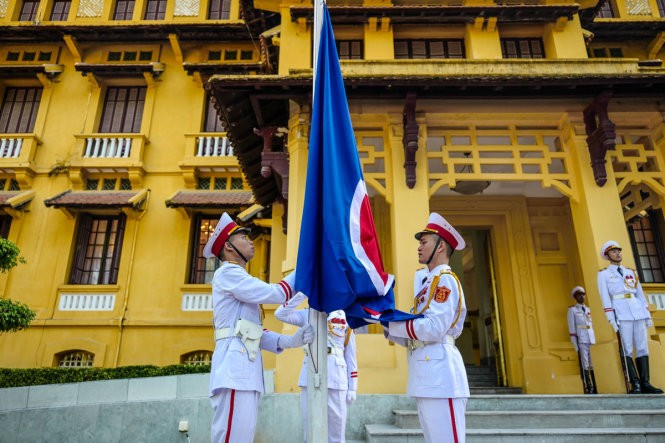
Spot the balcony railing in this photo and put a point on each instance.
(99, 150)
(107, 147)
(213, 146)
(209, 151)
(18, 149)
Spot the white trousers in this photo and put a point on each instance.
(442, 419)
(336, 414)
(234, 416)
(585, 356)
(634, 333)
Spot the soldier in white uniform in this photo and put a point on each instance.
(437, 377)
(342, 366)
(627, 311)
(582, 336)
(236, 376)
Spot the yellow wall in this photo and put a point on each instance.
(541, 246)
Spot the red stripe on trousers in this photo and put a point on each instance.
(228, 426)
(452, 419)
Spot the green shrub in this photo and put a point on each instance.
(9, 255)
(14, 315)
(10, 378)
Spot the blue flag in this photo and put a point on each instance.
(339, 263)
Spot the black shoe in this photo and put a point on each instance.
(643, 369)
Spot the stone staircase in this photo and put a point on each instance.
(497, 414)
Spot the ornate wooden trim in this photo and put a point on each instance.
(601, 134)
(274, 164)
(410, 138)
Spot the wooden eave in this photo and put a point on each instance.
(245, 103)
(438, 14)
(117, 69)
(204, 32)
(208, 69)
(29, 71)
(625, 30)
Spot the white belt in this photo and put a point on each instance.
(583, 327)
(332, 350)
(223, 333)
(622, 296)
(415, 344)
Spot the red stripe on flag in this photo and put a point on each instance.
(228, 426)
(452, 419)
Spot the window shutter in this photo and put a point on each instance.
(81, 246)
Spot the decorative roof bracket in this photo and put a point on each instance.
(410, 138)
(275, 164)
(601, 134)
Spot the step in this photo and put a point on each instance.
(381, 433)
(493, 390)
(408, 419)
(512, 402)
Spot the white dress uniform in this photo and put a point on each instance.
(236, 381)
(623, 300)
(342, 366)
(581, 332)
(437, 376)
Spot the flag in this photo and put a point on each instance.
(339, 263)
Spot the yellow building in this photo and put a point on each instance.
(536, 128)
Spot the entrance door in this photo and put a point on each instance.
(481, 341)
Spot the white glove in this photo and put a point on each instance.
(350, 397)
(614, 324)
(304, 335)
(577, 348)
(649, 322)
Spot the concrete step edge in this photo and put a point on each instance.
(552, 412)
(568, 431)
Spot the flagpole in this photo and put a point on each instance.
(317, 374)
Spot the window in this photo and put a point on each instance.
(108, 184)
(29, 11)
(220, 183)
(522, 48)
(423, 49)
(123, 110)
(607, 52)
(350, 49)
(124, 9)
(219, 9)
(98, 247)
(661, 7)
(197, 358)
(19, 110)
(60, 10)
(5, 224)
(155, 10)
(647, 247)
(9, 184)
(212, 121)
(606, 11)
(202, 269)
(75, 359)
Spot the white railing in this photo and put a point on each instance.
(107, 147)
(86, 302)
(197, 302)
(657, 299)
(10, 147)
(213, 146)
